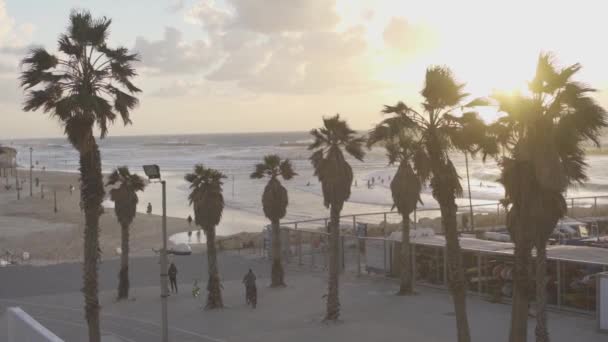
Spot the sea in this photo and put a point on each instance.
(236, 155)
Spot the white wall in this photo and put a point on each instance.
(21, 327)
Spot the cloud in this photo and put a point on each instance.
(270, 16)
(307, 62)
(14, 40)
(176, 5)
(172, 55)
(12, 35)
(282, 46)
(404, 37)
(176, 89)
(209, 16)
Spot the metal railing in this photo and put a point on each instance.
(589, 206)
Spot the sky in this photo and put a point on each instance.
(215, 66)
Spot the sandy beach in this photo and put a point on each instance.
(31, 225)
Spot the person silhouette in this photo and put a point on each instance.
(250, 289)
(173, 277)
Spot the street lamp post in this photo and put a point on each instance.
(466, 160)
(31, 170)
(153, 173)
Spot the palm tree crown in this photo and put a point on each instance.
(331, 168)
(438, 130)
(82, 85)
(407, 184)
(125, 195)
(206, 195)
(273, 167)
(548, 126)
(274, 199)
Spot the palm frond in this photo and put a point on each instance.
(287, 170)
(441, 89)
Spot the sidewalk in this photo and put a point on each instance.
(370, 312)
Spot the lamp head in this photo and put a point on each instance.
(152, 171)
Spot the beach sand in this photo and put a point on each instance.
(31, 225)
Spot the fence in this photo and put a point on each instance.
(489, 216)
(487, 264)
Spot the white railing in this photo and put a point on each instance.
(21, 327)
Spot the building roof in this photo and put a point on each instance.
(580, 254)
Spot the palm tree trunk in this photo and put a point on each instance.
(542, 335)
(214, 292)
(406, 287)
(333, 300)
(123, 276)
(521, 291)
(92, 193)
(277, 272)
(456, 273)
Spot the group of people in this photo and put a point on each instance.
(249, 280)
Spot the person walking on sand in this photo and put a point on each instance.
(189, 219)
(173, 277)
(251, 292)
(149, 209)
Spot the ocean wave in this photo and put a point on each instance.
(174, 143)
(297, 143)
(58, 146)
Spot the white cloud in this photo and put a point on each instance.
(210, 16)
(172, 54)
(408, 38)
(282, 46)
(12, 35)
(14, 40)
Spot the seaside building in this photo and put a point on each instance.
(8, 159)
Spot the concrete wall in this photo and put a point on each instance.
(21, 327)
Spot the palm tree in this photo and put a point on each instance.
(274, 203)
(125, 206)
(336, 177)
(405, 189)
(82, 87)
(439, 131)
(544, 132)
(208, 202)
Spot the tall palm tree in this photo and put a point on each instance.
(440, 130)
(274, 203)
(82, 86)
(336, 177)
(125, 206)
(544, 132)
(405, 190)
(208, 202)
